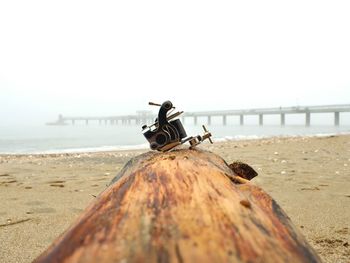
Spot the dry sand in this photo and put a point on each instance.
(41, 195)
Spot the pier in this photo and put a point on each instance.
(147, 117)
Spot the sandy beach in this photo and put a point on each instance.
(41, 195)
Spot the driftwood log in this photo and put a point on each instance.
(181, 206)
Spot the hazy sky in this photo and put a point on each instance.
(112, 57)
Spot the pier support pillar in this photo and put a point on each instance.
(73, 122)
(336, 118)
(307, 119)
(241, 119)
(87, 122)
(195, 120)
(261, 120)
(224, 120)
(283, 119)
(105, 122)
(100, 122)
(209, 120)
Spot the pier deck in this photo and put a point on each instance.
(143, 117)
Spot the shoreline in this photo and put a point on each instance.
(145, 146)
(43, 194)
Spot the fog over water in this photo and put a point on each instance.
(93, 58)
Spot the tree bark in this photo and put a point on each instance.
(181, 206)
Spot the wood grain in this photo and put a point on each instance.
(180, 206)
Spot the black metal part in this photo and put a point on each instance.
(167, 132)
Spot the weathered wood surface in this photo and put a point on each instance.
(180, 206)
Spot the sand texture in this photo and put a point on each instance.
(41, 195)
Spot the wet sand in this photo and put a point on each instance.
(41, 195)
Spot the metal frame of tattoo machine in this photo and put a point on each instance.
(167, 131)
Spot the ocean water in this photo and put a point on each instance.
(81, 138)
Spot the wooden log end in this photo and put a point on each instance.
(180, 206)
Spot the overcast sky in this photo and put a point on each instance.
(112, 57)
